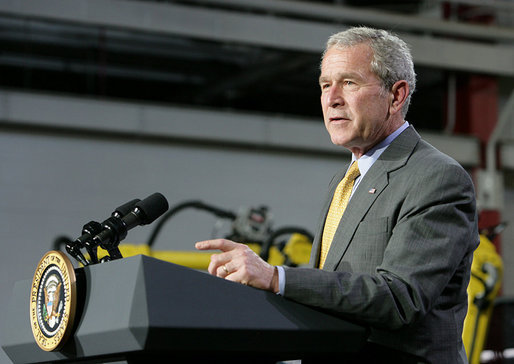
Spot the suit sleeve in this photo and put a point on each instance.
(425, 262)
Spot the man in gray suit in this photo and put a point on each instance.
(400, 257)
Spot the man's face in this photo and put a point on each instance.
(355, 105)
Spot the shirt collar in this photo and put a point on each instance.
(366, 161)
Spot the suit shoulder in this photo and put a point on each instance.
(428, 164)
(424, 152)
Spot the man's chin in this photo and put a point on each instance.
(339, 141)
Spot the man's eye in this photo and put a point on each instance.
(349, 83)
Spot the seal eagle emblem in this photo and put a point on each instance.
(53, 301)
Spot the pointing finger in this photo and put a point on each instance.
(220, 244)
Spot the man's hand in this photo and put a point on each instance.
(238, 263)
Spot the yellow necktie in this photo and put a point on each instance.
(339, 201)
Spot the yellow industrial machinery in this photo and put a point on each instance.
(484, 286)
(252, 226)
(295, 252)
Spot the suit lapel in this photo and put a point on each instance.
(377, 179)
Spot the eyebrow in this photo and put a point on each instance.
(322, 79)
(339, 76)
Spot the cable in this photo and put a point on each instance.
(282, 231)
(195, 204)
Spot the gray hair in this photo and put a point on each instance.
(392, 60)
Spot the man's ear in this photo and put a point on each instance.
(399, 94)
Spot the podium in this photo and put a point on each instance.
(141, 309)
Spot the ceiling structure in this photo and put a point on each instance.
(256, 56)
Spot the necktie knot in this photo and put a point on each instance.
(353, 172)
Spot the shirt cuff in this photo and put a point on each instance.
(281, 280)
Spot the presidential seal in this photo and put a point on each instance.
(53, 299)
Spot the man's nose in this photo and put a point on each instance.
(335, 96)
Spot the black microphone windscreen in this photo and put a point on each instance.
(152, 207)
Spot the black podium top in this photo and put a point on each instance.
(142, 309)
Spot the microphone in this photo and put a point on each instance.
(115, 228)
(91, 229)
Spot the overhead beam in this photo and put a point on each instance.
(376, 17)
(25, 110)
(262, 30)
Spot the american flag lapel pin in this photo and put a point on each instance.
(373, 190)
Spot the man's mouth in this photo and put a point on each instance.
(337, 118)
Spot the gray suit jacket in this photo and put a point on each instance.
(400, 259)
